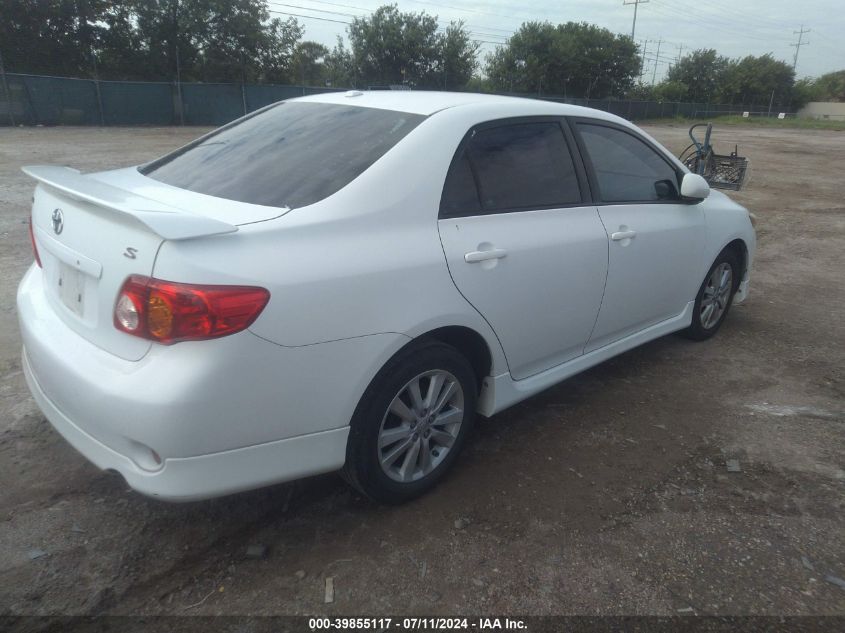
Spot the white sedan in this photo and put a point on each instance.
(344, 281)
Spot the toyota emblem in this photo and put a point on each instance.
(58, 221)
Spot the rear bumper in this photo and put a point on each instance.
(204, 476)
(198, 419)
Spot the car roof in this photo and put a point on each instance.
(427, 102)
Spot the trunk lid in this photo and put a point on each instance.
(91, 234)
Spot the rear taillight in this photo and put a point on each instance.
(170, 312)
(34, 245)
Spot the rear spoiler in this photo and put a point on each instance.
(167, 221)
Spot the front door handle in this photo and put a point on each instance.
(623, 235)
(483, 256)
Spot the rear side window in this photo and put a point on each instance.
(510, 168)
(290, 155)
(523, 166)
(460, 195)
(627, 169)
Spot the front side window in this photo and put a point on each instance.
(290, 155)
(627, 169)
(511, 167)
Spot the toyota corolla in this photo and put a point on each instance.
(345, 281)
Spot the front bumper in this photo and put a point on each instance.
(197, 419)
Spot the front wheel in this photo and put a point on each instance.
(411, 423)
(714, 297)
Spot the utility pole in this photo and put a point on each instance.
(656, 59)
(6, 92)
(680, 48)
(642, 60)
(798, 46)
(636, 4)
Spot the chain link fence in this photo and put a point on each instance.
(41, 100)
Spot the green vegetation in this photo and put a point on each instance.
(771, 122)
(243, 41)
(391, 47)
(227, 41)
(829, 87)
(572, 59)
(774, 122)
(704, 76)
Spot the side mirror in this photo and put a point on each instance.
(694, 188)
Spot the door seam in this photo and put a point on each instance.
(606, 277)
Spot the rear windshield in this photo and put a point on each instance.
(289, 155)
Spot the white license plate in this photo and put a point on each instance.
(72, 288)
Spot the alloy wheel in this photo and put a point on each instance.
(717, 294)
(420, 426)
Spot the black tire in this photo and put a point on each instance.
(363, 468)
(699, 330)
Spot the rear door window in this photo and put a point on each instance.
(290, 155)
(524, 166)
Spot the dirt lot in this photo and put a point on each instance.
(608, 494)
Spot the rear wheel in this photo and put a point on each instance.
(714, 297)
(411, 423)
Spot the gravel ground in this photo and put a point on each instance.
(608, 494)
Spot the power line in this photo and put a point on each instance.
(297, 6)
(709, 20)
(310, 17)
(476, 29)
(755, 17)
(798, 45)
(321, 19)
(718, 19)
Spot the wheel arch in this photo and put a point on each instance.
(469, 343)
(740, 249)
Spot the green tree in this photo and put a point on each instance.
(458, 56)
(670, 91)
(804, 91)
(163, 32)
(212, 40)
(339, 67)
(241, 42)
(756, 80)
(55, 37)
(642, 92)
(392, 47)
(829, 87)
(701, 74)
(573, 59)
(308, 63)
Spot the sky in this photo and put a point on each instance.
(735, 28)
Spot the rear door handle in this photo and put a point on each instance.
(623, 235)
(483, 256)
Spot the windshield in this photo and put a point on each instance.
(291, 154)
